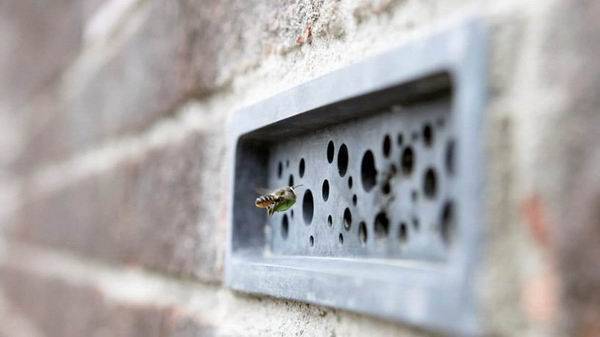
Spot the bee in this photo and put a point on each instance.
(279, 200)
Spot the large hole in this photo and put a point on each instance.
(279, 170)
(347, 219)
(291, 180)
(386, 188)
(342, 160)
(301, 168)
(403, 232)
(427, 134)
(368, 172)
(430, 183)
(285, 224)
(362, 232)
(407, 161)
(450, 149)
(330, 151)
(381, 225)
(447, 222)
(325, 190)
(387, 145)
(308, 207)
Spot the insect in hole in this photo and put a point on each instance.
(279, 200)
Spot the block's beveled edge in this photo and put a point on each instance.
(443, 301)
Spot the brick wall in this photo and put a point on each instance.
(112, 153)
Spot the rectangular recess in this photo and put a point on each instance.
(407, 248)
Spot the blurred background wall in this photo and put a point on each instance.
(113, 175)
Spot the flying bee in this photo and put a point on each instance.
(279, 200)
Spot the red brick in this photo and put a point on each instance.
(58, 308)
(161, 209)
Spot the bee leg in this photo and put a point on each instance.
(270, 210)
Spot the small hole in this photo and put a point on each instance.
(400, 139)
(387, 145)
(414, 195)
(301, 168)
(362, 232)
(415, 136)
(285, 224)
(350, 182)
(291, 180)
(368, 172)
(386, 188)
(292, 213)
(342, 160)
(407, 160)
(415, 223)
(430, 183)
(447, 222)
(308, 207)
(287, 163)
(428, 134)
(311, 240)
(354, 200)
(341, 239)
(329, 220)
(330, 151)
(279, 170)
(382, 225)
(347, 219)
(450, 148)
(325, 190)
(403, 232)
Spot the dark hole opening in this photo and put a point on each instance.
(341, 239)
(368, 172)
(311, 240)
(407, 161)
(330, 151)
(381, 226)
(450, 148)
(447, 222)
(350, 182)
(403, 232)
(279, 170)
(347, 219)
(301, 168)
(329, 220)
(284, 226)
(362, 232)
(400, 139)
(325, 190)
(291, 180)
(387, 145)
(308, 207)
(354, 200)
(427, 134)
(342, 160)
(430, 183)
(386, 188)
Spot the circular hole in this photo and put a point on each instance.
(350, 182)
(330, 151)
(354, 200)
(415, 223)
(403, 232)
(428, 134)
(347, 219)
(311, 240)
(447, 222)
(381, 226)
(329, 220)
(279, 170)
(368, 172)
(386, 188)
(341, 239)
(400, 139)
(301, 168)
(291, 180)
(285, 224)
(362, 232)
(450, 148)
(407, 161)
(430, 183)
(308, 207)
(387, 145)
(342, 160)
(325, 190)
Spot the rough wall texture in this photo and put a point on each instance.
(112, 147)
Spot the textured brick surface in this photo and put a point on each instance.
(57, 308)
(159, 208)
